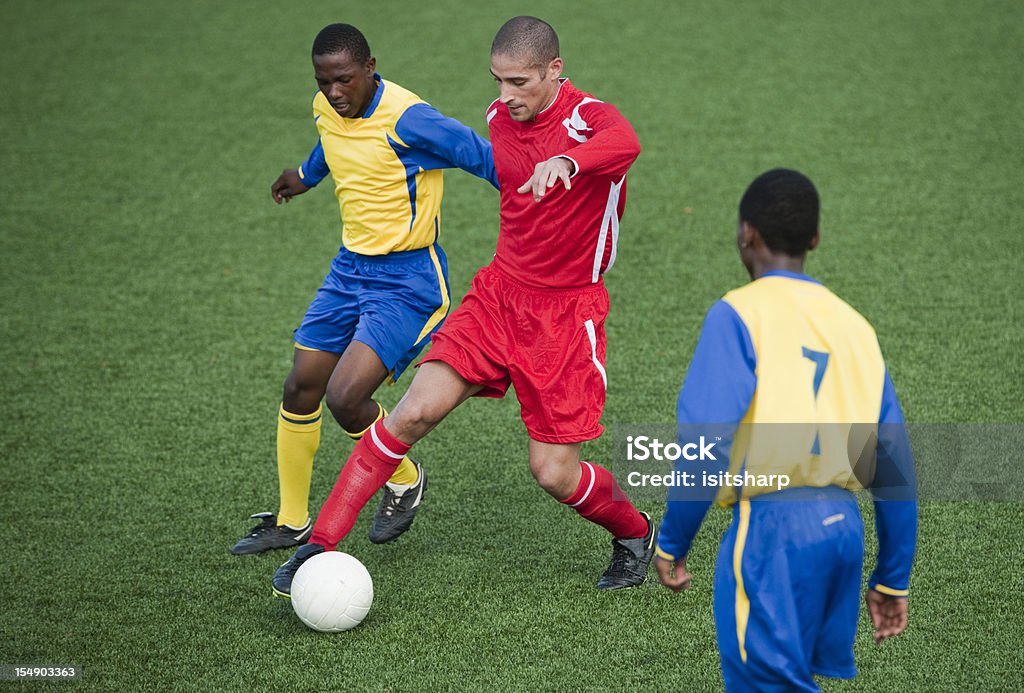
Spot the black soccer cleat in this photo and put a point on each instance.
(268, 535)
(395, 513)
(282, 580)
(630, 559)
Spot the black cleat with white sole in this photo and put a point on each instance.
(396, 512)
(630, 559)
(268, 535)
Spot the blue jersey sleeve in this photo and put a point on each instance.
(894, 491)
(437, 141)
(314, 169)
(716, 394)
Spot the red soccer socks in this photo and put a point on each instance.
(371, 464)
(599, 499)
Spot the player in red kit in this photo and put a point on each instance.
(533, 318)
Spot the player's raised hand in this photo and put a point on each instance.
(288, 185)
(546, 174)
(888, 614)
(673, 574)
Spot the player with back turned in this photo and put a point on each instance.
(533, 318)
(791, 379)
(387, 289)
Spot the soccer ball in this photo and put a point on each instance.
(332, 592)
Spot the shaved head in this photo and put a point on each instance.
(527, 38)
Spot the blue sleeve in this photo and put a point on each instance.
(440, 142)
(716, 394)
(314, 169)
(894, 491)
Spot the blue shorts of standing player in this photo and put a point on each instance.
(392, 303)
(787, 589)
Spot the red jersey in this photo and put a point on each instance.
(567, 239)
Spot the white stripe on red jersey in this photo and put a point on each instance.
(609, 222)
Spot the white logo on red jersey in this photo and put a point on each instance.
(575, 124)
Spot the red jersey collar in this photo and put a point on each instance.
(562, 82)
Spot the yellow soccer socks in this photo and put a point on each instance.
(298, 437)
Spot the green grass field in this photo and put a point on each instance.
(149, 288)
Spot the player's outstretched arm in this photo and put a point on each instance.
(888, 614)
(437, 141)
(288, 185)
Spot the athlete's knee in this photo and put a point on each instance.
(412, 420)
(351, 412)
(558, 479)
(301, 395)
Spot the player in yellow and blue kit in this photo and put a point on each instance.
(387, 289)
(789, 381)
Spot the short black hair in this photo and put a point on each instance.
(783, 206)
(342, 38)
(527, 37)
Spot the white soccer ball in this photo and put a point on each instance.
(332, 592)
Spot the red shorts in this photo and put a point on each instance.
(547, 343)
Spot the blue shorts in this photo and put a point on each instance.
(392, 303)
(800, 553)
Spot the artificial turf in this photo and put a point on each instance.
(149, 287)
